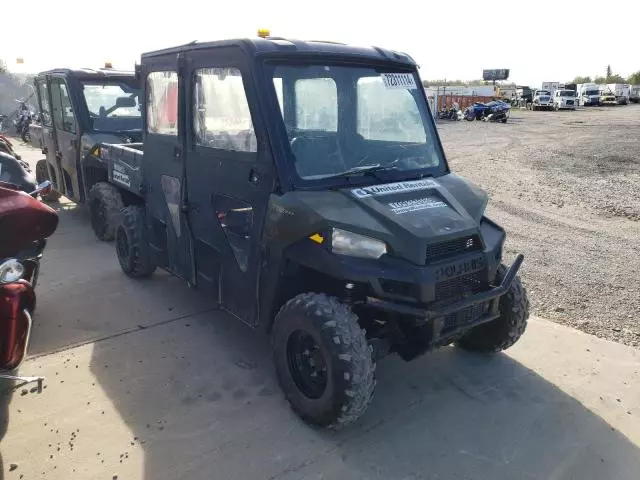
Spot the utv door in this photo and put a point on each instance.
(50, 145)
(66, 132)
(163, 169)
(229, 177)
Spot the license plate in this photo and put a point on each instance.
(460, 268)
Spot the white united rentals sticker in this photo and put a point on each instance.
(415, 205)
(399, 80)
(389, 188)
(119, 176)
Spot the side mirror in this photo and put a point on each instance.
(42, 189)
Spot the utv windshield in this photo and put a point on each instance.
(592, 92)
(343, 121)
(113, 106)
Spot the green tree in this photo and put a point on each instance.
(600, 80)
(615, 78)
(582, 80)
(3, 67)
(609, 72)
(634, 78)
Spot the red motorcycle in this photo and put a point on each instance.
(25, 224)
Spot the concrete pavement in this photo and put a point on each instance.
(145, 380)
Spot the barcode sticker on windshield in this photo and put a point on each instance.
(399, 80)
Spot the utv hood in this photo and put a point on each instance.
(407, 215)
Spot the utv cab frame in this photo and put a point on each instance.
(79, 109)
(303, 187)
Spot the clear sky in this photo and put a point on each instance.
(543, 41)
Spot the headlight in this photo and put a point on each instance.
(10, 271)
(354, 245)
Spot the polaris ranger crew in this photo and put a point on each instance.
(79, 109)
(303, 186)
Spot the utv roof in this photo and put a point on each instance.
(278, 46)
(89, 73)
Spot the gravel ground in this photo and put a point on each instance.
(566, 187)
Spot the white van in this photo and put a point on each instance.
(564, 100)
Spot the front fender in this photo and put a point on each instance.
(17, 303)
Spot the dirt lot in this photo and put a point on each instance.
(566, 187)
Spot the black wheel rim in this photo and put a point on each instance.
(307, 364)
(122, 245)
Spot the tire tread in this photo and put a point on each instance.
(348, 345)
(111, 201)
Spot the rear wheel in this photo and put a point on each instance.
(105, 204)
(42, 174)
(132, 246)
(507, 329)
(323, 360)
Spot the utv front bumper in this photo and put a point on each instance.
(444, 308)
(443, 297)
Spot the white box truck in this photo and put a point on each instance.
(551, 87)
(622, 91)
(588, 94)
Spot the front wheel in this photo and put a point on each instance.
(132, 246)
(105, 204)
(507, 329)
(323, 360)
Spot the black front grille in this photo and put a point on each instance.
(569, 102)
(460, 286)
(465, 316)
(469, 243)
(402, 289)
